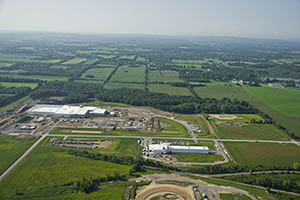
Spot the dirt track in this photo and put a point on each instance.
(157, 189)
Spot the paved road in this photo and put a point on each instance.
(179, 138)
(22, 157)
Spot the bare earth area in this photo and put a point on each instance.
(224, 117)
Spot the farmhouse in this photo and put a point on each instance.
(66, 111)
(165, 148)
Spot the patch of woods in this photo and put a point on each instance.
(80, 92)
(285, 181)
(11, 94)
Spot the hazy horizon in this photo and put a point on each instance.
(258, 19)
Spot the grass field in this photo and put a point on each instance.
(111, 85)
(141, 59)
(198, 158)
(164, 76)
(107, 56)
(11, 148)
(53, 61)
(220, 90)
(43, 78)
(196, 120)
(15, 84)
(169, 89)
(170, 126)
(98, 73)
(234, 196)
(126, 58)
(266, 154)
(59, 67)
(284, 101)
(251, 131)
(48, 169)
(5, 64)
(91, 61)
(74, 61)
(17, 58)
(130, 74)
(189, 61)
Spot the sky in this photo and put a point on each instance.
(246, 18)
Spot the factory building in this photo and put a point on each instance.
(165, 148)
(67, 111)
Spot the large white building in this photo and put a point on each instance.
(66, 111)
(165, 148)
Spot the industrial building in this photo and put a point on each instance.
(67, 111)
(165, 148)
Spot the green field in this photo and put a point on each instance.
(59, 67)
(141, 59)
(251, 132)
(11, 148)
(91, 61)
(169, 89)
(266, 154)
(15, 84)
(220, 90)
(17, 58)
(47, 172)
(189, 61)
(285, 101)
(163, 76)
(111, 85)
(198, 158)
(43, 78)
(126, 58)
(172, 127)
(196, 120)
(74, 61)
(107, 56)
(5, 64)
(100, 74)
(234, 196)
(53, 61)
(129, 74)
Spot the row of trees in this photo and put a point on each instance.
(11, 94)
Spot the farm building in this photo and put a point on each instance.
(66, 111)
(165, 148)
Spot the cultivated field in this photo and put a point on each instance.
(163, 76)
(198, 158)
(285, 101)
(75, 61)
(99, 74)
(129, 74)
(252, 154)
(169, 89)
(251, 132)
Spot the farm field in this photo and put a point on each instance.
(111, 85)
(53, 61)
(219, 90)
(15, 84)
(107, 56)
(285, 101)
(48, 170)
(163, 76)
(59, 67)
(11, 148)
(97, 73)
(251, 132)
(266, 154)
(181, 61)
(129, 74)
(234, 196)
(126, 58)
(169, 89)
(43, 78)
(198, 158)
(17, 58)
(74, 61)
